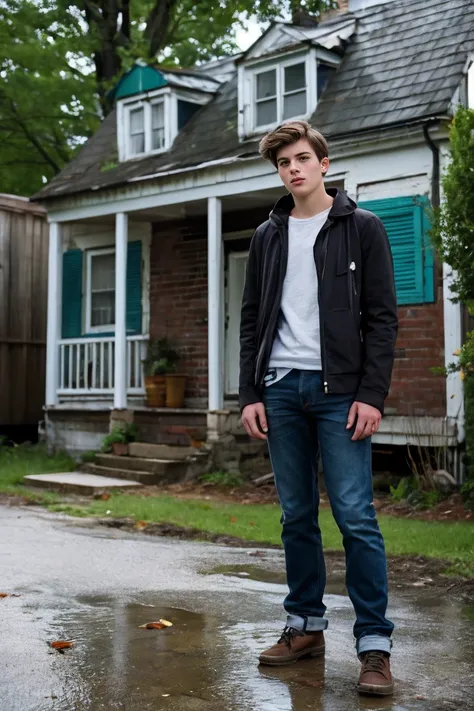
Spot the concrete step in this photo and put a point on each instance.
(170, 472)
(154, 466)
(79, 482)
(144, 450)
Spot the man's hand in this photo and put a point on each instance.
(252, 416)
(368, 420)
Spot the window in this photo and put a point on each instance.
(146, 127)
(280, 94)
(100, 294)
(157, 126)
(137, 131)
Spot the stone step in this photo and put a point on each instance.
(154, 466)
(144, 450)
(79, 482)
(170, 472)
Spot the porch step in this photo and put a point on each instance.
(160, 451)
(162, 472)
(79, 482)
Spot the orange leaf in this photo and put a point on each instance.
(105, 497)
(233, 519)
(160, 625)
(251, 523)
(61, 645)
(141, 525)
(2, 595)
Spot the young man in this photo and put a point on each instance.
(318, 330)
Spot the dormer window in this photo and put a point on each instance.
(278, 89)
(154, 105)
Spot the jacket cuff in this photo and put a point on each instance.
(248, 395)
(371, 397)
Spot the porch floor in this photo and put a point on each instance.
(78, 482)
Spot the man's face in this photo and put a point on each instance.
(300, 169)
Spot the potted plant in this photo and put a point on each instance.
(175, 382)
(117, 441)
(155, 365)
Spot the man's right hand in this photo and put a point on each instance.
(253, 416)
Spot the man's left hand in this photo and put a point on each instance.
(368, 420)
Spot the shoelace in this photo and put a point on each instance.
(288, 634)
(374, 661)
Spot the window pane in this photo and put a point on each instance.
(266, 84)
(136, 121)
(295, 77)
(157, 115)
(138, 143)
(266, 112)
(157, 138)
(103, 309)
(103, 272)
(294, 105)
(324, 76)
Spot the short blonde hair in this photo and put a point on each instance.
(290, 132)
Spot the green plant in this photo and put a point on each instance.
(88, 456)
(228, 479)
(161, 357)
(121, 434)
(403, 489)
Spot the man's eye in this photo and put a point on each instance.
(304, 158)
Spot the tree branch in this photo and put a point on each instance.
(34, 141)
(157, 25)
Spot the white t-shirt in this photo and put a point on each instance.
(297, 342)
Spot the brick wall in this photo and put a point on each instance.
(178, 302)
(420, 346)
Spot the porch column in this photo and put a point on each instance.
(215, 296)
(452, 343)
(53, 331)
(120, 372)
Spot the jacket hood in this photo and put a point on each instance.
(342, 206)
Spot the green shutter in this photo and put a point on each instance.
(134, 288)
(72, 294)
(406, 222)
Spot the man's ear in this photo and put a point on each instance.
(324, 165)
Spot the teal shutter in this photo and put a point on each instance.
(134, 288)
(406, 222)
(72, 294)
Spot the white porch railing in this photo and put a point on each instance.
(86, 365)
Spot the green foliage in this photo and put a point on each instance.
(88, 457)
(58, 59)
(161, 357)
(121, 434)
(453, 228)
(404, 487)
(226, 479)
(467, 493)
(16, 462)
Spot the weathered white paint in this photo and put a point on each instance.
(423, 431)
(215, 302)
(54, 312)
(120, 370)
(399, 187)
(235, 281)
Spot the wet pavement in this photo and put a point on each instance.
(96, 586)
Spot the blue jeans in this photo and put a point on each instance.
(303, 422)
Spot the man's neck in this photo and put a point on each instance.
(311, 204)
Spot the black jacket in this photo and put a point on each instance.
(357, 303)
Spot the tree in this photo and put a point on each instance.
(58, 59)
(453, 234)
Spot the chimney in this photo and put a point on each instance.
(300, 17)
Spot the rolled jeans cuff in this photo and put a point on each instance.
(372, 642)
(306, 623)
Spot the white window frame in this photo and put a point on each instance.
(169, 97)
(105, 328)
(247, 86)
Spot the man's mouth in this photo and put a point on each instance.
(297, 180)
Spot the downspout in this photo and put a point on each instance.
(435, 174)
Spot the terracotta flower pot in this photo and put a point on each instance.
(175, 385)
(120, 449)
(155, 386)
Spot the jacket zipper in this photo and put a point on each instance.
(321, 320)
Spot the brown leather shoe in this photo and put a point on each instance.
(375, 677)
(293, 645)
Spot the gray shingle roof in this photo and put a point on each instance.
(403, 64)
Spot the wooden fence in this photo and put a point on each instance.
(23, 300)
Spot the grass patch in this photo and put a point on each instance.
(450, 541)
(17, 462)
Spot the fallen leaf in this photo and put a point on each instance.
(160, 625)
(233, 519)
(2, 595)
(251, 523)
(105, 497)
(59, 645)
(141, 525)
(257, 554)
(420, 697)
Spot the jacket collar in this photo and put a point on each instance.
(342, 206)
